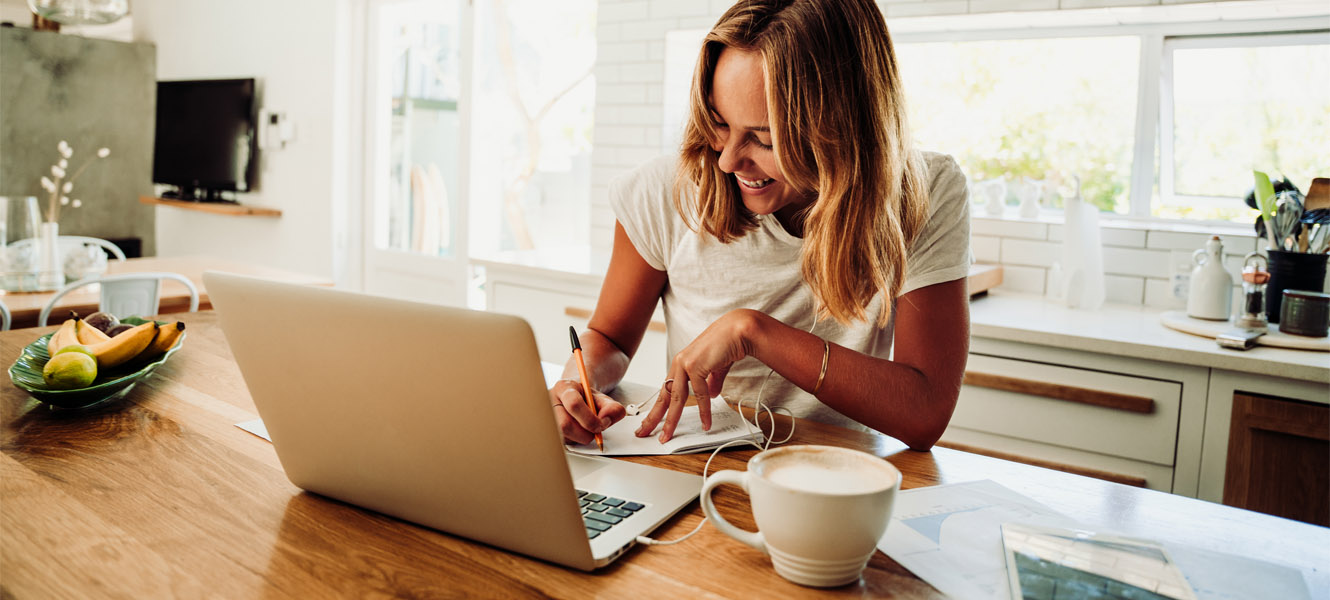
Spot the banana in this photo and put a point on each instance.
(121, 348)
(62, 337)
(89, 335)
(167, 336)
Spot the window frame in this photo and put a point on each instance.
(1154, 89)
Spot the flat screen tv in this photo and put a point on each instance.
(205, 140)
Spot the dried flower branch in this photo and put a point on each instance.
(60, 187)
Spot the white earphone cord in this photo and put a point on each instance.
(756, 422)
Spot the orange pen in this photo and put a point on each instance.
(586, 383)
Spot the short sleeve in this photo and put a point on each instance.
(941, 252)
(642, 204)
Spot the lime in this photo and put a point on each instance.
(70, 370)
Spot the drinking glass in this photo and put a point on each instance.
(20, 219)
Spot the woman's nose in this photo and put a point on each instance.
(731, 157)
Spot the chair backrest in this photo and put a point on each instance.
(126, 294)
(68, 241)
(4, 317)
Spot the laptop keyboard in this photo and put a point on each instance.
(601, 512)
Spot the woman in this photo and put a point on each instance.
(798, 233)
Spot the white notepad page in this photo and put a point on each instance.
(726, 425)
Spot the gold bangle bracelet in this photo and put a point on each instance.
(826, 353)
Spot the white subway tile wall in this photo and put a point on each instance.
(630, 77)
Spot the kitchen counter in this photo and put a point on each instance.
(1130, 331)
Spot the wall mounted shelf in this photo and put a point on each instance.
(217, 208)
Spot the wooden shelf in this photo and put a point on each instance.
(217, 208)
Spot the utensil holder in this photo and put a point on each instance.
(1292, 271)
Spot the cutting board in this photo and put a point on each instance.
(983, 278)
(1176, 319)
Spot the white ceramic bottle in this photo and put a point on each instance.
(1210, 295)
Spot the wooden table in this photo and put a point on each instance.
(160, 495)
(27, 306)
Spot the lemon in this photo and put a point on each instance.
(69, 371)
(77, 348)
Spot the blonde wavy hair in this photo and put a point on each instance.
(839, 129)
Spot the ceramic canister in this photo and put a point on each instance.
(1305, 313)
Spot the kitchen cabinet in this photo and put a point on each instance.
(1130, 421)
(1267, 445)
(1279, 458)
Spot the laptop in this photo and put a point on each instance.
(434, 415)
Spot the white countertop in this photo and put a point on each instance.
(1131, 331)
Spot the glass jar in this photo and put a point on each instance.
(80, 12)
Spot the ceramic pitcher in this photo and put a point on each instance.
(1211, 293)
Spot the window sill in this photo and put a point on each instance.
(1054, 217)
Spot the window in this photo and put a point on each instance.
(481, 113)
(1238, 104)
(1046, 109)
(534, 97)
(1160, 121)
(418, 89)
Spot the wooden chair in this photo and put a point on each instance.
(126, 294)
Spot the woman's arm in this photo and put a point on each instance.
(628, 297)
(910, 398)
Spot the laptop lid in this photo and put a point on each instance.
(432, 414)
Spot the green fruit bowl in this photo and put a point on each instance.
(26, 373)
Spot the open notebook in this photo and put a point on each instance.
(727, 425)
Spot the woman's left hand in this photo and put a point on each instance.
(700, 369)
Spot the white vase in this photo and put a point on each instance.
(1028, 192)
(50, 269)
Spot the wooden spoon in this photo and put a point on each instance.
(1319, 194)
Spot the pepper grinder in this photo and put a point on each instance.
(1254, 278)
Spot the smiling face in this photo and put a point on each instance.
(739, 102)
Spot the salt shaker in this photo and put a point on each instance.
(1254, 278)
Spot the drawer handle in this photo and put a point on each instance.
(582, 313)
(1131, 480)
(1137, 404)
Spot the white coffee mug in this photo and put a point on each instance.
(820, 510)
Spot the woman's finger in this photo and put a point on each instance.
(609, 410)
(715, 382)
(575, 404)
(657, 411)
(678, 398)
(571, 431)
(695, 383)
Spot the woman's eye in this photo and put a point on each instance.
(760, 144)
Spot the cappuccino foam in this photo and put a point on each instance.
(827, 474)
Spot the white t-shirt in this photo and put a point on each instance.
(760, 271)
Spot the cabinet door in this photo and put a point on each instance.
(1279, 458)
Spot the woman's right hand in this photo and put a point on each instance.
(576, 420)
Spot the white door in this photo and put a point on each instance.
(416, 184)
